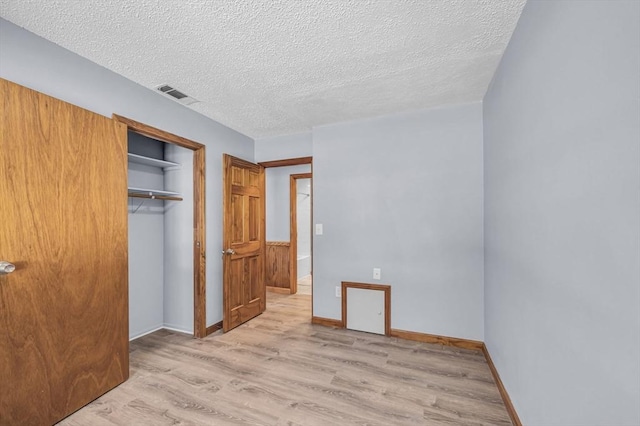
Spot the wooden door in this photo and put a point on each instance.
(63, 209)
(243, 241)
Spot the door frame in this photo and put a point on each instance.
(296, 162)
(293, 229)
(199, 235)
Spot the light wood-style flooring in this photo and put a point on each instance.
(279, 369)
(304, 285)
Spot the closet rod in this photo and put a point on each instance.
(154, 197)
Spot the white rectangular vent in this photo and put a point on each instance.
(176, 94)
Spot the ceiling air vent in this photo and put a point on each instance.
(176, 94)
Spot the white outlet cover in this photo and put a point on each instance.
(376, 273)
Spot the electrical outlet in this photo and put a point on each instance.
(376, 273)
(338, 291)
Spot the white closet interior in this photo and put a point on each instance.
(160, 180)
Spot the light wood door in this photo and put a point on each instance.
(243, 242)
(63, 209)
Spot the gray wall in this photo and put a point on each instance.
(36, 63)
(278, 202)
(286, 146)
(146, 241)
(145, 146)
(146, 250)
(178, 249)
(562, 212)
(403, 193)
(160, 251)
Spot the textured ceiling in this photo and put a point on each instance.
(271, 67)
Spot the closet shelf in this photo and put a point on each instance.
(154, 194)
(154, 162)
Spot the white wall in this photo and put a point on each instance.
(303, 213)
(303, 218)
(403, 193)
(36, 63)
(562, 209)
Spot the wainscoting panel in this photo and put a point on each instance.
(277, 274)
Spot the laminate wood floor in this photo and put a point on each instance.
(279, 369)
(304, 285)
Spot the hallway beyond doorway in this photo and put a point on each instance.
(304, 285)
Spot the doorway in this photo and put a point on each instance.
(282, 213)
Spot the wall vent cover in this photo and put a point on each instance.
(176, 94)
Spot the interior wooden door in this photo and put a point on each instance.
(244, 242)
(63, 209)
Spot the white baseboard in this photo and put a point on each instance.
(178, 330)
(161, 327)
(144, 333)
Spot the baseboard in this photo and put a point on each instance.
(281, 290)
(163, 327)
(327, 322)
(434, 338)
(177, 330)
(503, 392)
(144, 333)
(213, 328)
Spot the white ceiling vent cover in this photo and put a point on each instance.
(176, 94)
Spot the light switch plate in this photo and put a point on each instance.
(318, 229)
(338, 291)
(376, 273)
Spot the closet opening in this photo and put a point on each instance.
(167, 282)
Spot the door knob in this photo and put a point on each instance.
(6, 267)
(229, 251)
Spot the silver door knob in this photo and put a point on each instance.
(6, 267)
(229, 251)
